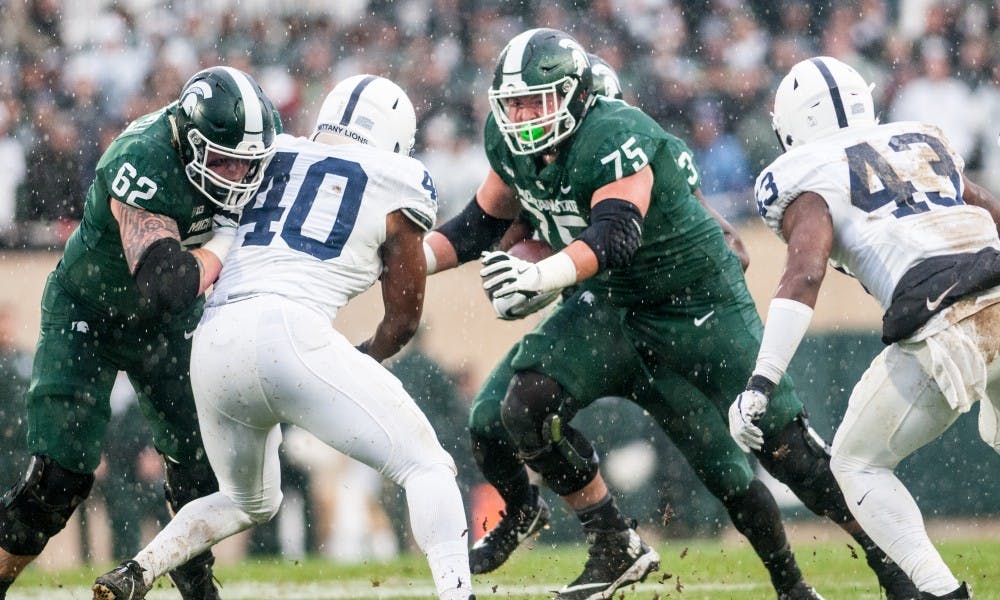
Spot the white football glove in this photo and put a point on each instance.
(519, 305)
(504, 275)
(743, 412)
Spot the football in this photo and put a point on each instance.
(531, 250)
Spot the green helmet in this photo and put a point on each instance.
(223, 112)
(606, 82)
(546, 63)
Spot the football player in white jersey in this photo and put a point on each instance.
(334, 213)
(889, 205)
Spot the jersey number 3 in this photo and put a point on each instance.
(275, 180)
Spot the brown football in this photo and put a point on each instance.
(531, 250)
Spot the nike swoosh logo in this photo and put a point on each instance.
(862, 499)
(188, 335)
(699, 320)
(932, 306)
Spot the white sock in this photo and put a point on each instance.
(196, 527)
(888, 513)
(437, 518)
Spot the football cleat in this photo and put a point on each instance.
(963, 591)
(616, 559)
(800, 591)
(893, 580)
(194, 578)
(493, 549)
(124, 582)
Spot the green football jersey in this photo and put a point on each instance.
(681, 242)
(142, 168)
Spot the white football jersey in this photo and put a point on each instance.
(313, 232)
(894, 192)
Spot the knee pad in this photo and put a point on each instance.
(39, 506)
(497, 459)
(536, 413)
(184, 482)
(798, 457)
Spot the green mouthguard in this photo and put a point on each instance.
(530, 134)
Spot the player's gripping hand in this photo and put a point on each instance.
(504, 275)
(746, 410)
(519, 304)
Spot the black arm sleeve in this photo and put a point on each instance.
(167, 276)
(472, 231)
(615, 232)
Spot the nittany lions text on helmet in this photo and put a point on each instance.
(606, 82)
(371, 110)
(818, 97)
(551, 64)
(223, 112)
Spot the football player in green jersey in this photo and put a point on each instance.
(127, 295)
(660, 314)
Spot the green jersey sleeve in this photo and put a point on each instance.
(142, 173)
(684, 159)
(615, 141)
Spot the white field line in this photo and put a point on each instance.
(364, 590)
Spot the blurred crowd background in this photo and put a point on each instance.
(73, 73)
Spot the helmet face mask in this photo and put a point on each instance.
(546, 69)
(819, 97)
(370, 110)
(223, 113)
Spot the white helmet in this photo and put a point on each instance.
(818, 97)
(370, 110)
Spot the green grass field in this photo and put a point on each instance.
(692, 570)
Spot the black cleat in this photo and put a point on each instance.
(800, 591)
(617, 559)
(963, 591)
(493, 549)
(893, 580)
(124, 582)
(194, 578)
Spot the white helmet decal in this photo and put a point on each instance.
(198, 89)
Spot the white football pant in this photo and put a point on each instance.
(897, 408)
(267, 360)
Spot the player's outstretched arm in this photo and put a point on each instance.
(477, 228)
(169, 278)
(403, 278)
(977, 195)
(809, 232)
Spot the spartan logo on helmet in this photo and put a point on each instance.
(546, 65)
(224, 114)
(606, 82)
(193, 93)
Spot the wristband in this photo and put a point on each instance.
(430, 258)
(787, 322)
(556, 272)
(222, 240)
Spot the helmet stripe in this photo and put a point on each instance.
(838, 102)
(513, 61)
(352, 102)
(253, 126)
